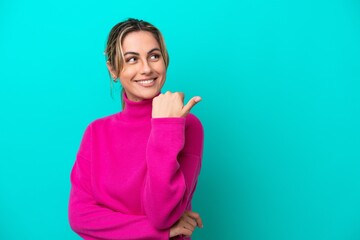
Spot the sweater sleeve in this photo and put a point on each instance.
(90, 219)
(173, 154)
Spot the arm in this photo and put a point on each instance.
(174, 154)
(93, 221)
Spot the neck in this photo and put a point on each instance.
(136, 111)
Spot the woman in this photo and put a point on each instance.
(136, 171)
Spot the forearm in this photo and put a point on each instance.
(172, 173)
(96, 222)
(92, 220)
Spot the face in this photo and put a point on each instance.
(144, 71)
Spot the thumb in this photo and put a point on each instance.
(186, 109)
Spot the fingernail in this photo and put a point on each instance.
(197, 99)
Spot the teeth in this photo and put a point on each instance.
(146, 81)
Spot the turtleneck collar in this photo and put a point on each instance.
(136, 111)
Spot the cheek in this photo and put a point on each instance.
(126, 73)
(161, 69)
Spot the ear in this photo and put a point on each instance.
(111, 70)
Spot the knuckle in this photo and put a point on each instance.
(196, 215)
(177, 94)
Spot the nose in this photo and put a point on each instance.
(145, 68)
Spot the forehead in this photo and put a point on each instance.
(139, 41)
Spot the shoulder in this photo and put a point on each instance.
(193, 123)
(100, 124)
(99, 127)
(192, 120)
(104, 121)
(194, 135)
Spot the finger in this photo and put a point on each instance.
(186, 109)
(199, 222)
(185, 232)
(181, 95)
(196, 217)
(188, 226)
(192, 214)
(191, 221)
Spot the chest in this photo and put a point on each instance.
(119, 167)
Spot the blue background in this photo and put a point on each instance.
(280, 82)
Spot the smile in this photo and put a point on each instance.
(146, 82)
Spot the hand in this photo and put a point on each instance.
(186, 224)
(172, 105)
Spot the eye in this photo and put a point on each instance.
(155, 57)
(131, 60)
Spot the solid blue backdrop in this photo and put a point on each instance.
(280, 82)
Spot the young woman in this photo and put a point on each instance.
(136, 171)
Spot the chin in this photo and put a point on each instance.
(149, 95)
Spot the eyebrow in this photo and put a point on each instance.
(135, 53)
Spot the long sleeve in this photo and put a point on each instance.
(92, 220)
(174, 153)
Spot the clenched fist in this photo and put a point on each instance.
(172, 105)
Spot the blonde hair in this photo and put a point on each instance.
(113, 52)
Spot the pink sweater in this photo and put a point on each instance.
(134, 175)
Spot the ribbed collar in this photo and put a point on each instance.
(136, 111)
